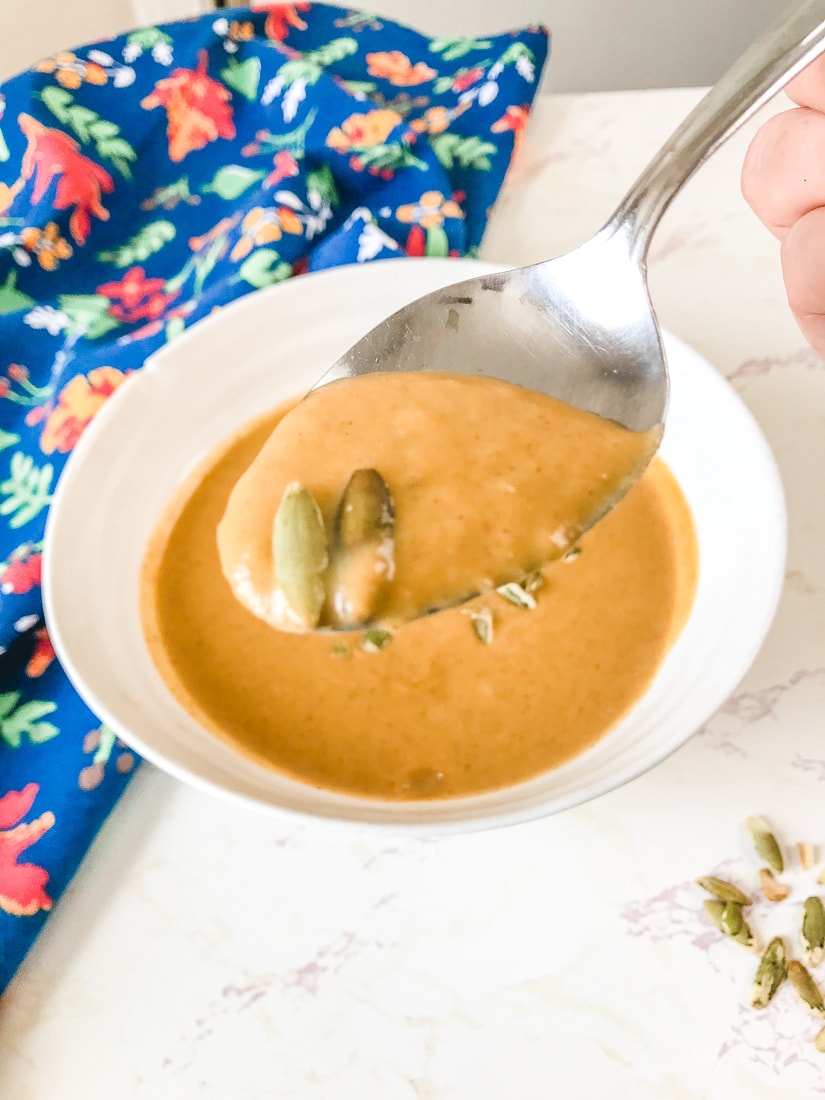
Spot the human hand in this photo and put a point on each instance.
(783, 180)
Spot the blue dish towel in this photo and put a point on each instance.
(144, 182)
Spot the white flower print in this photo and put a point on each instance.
(293, 97)
(48, 318)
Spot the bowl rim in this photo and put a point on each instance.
(551, 804)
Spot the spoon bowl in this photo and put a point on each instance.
(581, 327)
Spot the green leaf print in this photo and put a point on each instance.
(8, 439)
(4, 149)
(311, 66)
(89, 128)
(437, 242)
(453, 48)
(57, 100)
(362, 87)
(394, 155)
(514, 52)
(12, 299)
(18, 720)
(469, 152)
(263, 268)
(294, 141)
(8, 701)
(333, 51)
(88, 315)
(27, 489)
(148, 37)
(174, 328)
(243, 76)
(322, 181)
(144, 244)
(232, 180)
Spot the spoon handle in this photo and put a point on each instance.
(780, 52)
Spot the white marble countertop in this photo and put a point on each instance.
(205, 951)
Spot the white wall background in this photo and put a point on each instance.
(598, 44)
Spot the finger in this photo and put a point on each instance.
(783, 175)
(808, 89)
(803, 266)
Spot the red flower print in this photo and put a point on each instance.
(416, 242)
(21, 574)
(22, 885)
(136, 298)
(196, 106)
(464, 80)
(285, 165)
(42, 656)
(515, 119)
(281, 17)
(50, 154)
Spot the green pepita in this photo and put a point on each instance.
(812, 933)
(807, 989)
(766, 843)
(363, 564)
(299, 544)
(727, 916)
(770, 974)
(723, 890)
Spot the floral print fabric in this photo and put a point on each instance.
(144, 182)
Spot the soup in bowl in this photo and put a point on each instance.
(498, 711)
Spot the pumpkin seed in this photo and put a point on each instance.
(807, 989)
(366, 512)
(727, 916)
(723, 890)
(518, 596)
(770, 974)
(482, 623)
(812, 933)
(299, 544)
(364, 549)
(766, 843)
(375, 640)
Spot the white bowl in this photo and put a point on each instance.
(274, 344)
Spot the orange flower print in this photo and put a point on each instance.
(46, 245)
(197, 109)
(435, 120)
(22, 885)
(515, 119)
(77, 403)
(241, 31)
(397, 68)
(220, 229)
(262, 226)
(359, 131)
(430, 210)
(42, 656)
(71, 72)
(281, 17)
(50, 154)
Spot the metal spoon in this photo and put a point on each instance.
(581, 327)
